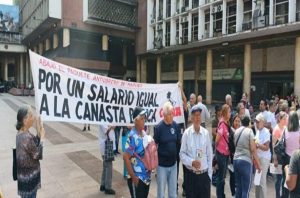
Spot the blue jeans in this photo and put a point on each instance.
(278, 185)
(33, 195)
(222, 161)
(243, 172)
(167, 175)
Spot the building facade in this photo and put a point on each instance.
(222, 46)
(12, 52)
(93, 35)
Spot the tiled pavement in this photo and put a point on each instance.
(71, 166)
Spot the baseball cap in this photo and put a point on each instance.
(259, 117)
(138, 111)
(196, 108)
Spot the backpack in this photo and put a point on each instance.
(230, 141)
(150, 158)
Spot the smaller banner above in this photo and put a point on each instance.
(67, 94)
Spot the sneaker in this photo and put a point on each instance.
(102, 188)
(110, 192)
(89, 128)
(84, 129)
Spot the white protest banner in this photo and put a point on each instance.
(67, 94)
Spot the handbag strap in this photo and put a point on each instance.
(107, 132)
(239, 137)
(223, 133)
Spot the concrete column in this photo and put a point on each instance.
(66, 37)
(292, 11)
(158, 70)
(164, 34)
(47, 44)
(211, 22)
(41, 48)
(180, 68)
(209, 76)
(239, 15)
(138, 69)
(190, 27)
(297, 68)
(104, 42)
(144, 70)
(224, 18)
(173, 31)
(5, 70)
(196, 77)
(21, 69)
(247, 69)
(55, 41)
(201, 24)
(27, 70)
(271, 13)
(164, 9)
(124, 57)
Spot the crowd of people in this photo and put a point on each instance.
(240, 141)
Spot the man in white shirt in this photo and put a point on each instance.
(204, 114)
(265, 113)
(196, 155)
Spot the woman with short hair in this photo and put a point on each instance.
(29, 150)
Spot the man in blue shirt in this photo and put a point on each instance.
(167, 135)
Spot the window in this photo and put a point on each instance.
(195, 27)
(231, 19)
(160, 10)
(247, 21)
(168, 14)
(298, 10)
(217, 20)
(281, 11)
(195, 3)
(167, 39)
(185, 32)
(207, 25)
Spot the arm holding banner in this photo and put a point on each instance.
(184, 100)
(40, 128)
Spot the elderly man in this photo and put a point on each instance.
(196, 155)
(262, 140)
(167, 136)
(139, 181)
(205, 114)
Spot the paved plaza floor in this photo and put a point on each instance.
(71, 165)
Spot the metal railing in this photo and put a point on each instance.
(8, 37)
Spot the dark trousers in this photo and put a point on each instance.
(117, 134)
(222, 161)
(232, 183)
(197, 186)
(140, 191)
(285, 192)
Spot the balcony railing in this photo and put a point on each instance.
(113, 11)
(7, 37)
